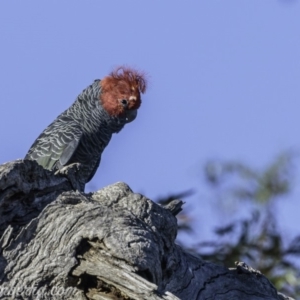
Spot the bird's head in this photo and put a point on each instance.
(121, 92)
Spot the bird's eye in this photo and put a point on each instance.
(124, 102)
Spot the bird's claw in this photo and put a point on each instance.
(71, 172)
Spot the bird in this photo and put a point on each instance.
(80, 134)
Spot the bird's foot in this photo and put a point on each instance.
(71, 172)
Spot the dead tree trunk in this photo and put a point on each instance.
(111, 244)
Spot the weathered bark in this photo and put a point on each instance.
(111, 244)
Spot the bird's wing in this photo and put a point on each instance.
(95, 169)
(56, 144)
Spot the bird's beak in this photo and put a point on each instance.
(131, 115)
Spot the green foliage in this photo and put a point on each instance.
(253, 235)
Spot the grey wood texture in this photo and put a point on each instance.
(57, 243)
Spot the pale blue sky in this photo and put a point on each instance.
(224, 83)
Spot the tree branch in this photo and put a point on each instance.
(111, 244)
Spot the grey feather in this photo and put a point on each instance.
(78, 135)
